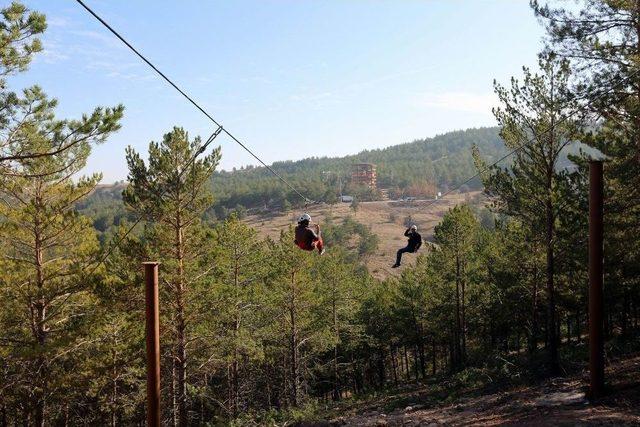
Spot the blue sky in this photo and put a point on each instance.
(292, 79)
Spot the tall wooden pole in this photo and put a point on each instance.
(596, 274)
(152, 343)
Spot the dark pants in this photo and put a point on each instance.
(403, 251)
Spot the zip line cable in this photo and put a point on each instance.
(221, 129)
(112, 247)
(530, 140)
(190, 99)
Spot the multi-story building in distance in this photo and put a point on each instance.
(364, 174)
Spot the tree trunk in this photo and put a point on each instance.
(554, 361)
(181, 368)
(463, 321)
(394, 364)
(423, 361)
(285, 379)
(293, 343)
(406, 362)
(382, 368)
(181, 351)
(578, 329)
(40, 328)
(336, 385)
(433, 356)
(114, 387)
(174, 393)
(235, 383)
(452, 351)
(533, 337)
(637, 116)
(457, 350)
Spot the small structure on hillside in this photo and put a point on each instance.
(364, 174)
(346, 199)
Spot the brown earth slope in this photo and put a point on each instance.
(386, 219)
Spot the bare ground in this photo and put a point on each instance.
(386, 219)
(556, 402)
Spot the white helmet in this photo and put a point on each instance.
(304, 217)
(414, 227)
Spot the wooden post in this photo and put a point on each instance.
(596, 274)
(152, 343)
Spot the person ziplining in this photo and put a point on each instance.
(414, 243)
(307, 239)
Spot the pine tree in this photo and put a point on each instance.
(411, 310)
(374, 313)
(339, 287)
(537, 124)
(602, 41)
(19, 28)
(19, 31)
(115, 369)
(236, 297)
(456, 236)
(171, 194)
(47, 249)
(292, 306)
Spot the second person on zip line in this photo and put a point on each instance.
(414, 243)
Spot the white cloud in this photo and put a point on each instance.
(103, 38)
(468, 102)
(335, 94)
(57, 21)
(52, 53)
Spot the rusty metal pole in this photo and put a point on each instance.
(596, 274)
(153, 343)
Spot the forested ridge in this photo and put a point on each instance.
(417, 169)
(256, 331)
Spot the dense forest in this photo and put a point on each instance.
(417, 169)
(256, 331)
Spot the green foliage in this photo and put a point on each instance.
(537, 120)
(18, 42)
(235, 291)
(343, 235)
(47, 251)
(600, 39)
(355, 204)
(253, 189)
(171, 195)
(443, 161)
(259, 332)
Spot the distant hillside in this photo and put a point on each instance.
(386, 220)
(419, 166)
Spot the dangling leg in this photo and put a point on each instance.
(319, 243)
(399, 257)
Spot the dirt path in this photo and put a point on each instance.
(558, 402)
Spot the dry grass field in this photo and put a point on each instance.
(386, 219)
